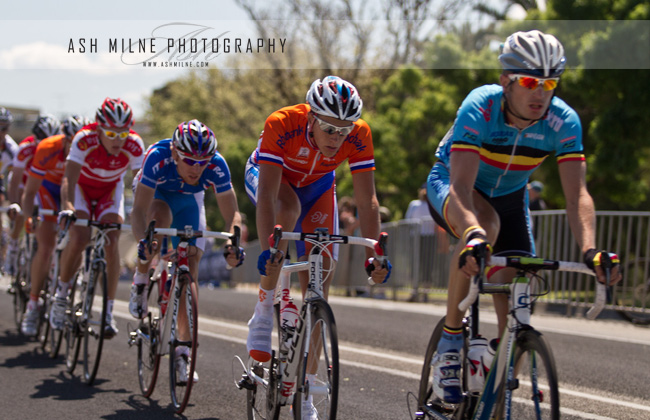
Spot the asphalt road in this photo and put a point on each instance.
(604, 366)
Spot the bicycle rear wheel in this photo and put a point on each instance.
(536, 394)
(263, 399)
(322, 362)
(93, 323)
(72, 327)
(430, 405)
(181, 389)
(147, 341)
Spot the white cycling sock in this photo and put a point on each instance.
(140, 278)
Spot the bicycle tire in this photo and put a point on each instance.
(21, 287)
(180, 391)
(536, 393)
(428, 404)
(43, 329)
(634, 292)
(72, 328)
(262, 401)
(324, 391)
(147, 342)
(93, 324)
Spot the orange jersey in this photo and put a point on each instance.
(285, 142)
(49, 160)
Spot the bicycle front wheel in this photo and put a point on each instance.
(633, 293)
(72, 327)
(147, 342)
(318, 373)
(263, 393)
(93, 322)
(430, 405)
(181, 369)
(536, 394)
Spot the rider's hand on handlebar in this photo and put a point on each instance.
(266, 267)
(63, 216)
(146, 250)
(378, 273)
(601, 262)
(234, 257)
(476, 245)
(13, 210)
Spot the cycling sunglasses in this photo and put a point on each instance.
(192, 162)
(112, 134)
(533, 83)
(330, 129)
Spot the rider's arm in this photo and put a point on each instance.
(367, 206)
(463, 172)
(142, 200)
(68, 184)
(579, 204)
(267, 197)
(31, 188)
(229, 209)
(14, 185)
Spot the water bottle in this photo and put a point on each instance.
(289, 319)
(479, 360)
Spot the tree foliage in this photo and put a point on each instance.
(411, 107)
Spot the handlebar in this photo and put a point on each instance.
(535, 264)
(322, 236)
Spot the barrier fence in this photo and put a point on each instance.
(421, 261)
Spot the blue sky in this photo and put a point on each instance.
(37, 71)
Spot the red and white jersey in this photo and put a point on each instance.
(99, 168)
(25, 155)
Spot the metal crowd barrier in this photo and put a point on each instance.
(421, 261)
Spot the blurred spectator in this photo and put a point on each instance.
(535, 201)
(434, 242)
(385, 215)
(348, 221)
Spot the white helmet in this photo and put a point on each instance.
(334, 97)
(534, 53)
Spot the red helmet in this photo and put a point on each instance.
(114, 113)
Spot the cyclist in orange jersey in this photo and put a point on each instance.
(290, 178)
(45, 126)
(44, 184)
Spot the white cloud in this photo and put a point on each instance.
(41, 55)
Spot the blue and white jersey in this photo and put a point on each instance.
(510, 155)
(159, 171)
(7, 154)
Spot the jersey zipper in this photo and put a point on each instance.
(512, 155)
(311, 170)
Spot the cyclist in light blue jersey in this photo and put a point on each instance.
(502, 133)
(170, 189)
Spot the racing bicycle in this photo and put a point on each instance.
(522, 382)
(305, 361)
(157, 333)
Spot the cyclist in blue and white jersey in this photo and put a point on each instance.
(170, 188)
(502, 133)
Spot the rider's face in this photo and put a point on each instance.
(322, 126)
(524, 102)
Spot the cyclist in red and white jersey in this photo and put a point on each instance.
(93, 187)
(43, 186)
(45, 126)
(290, 178)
